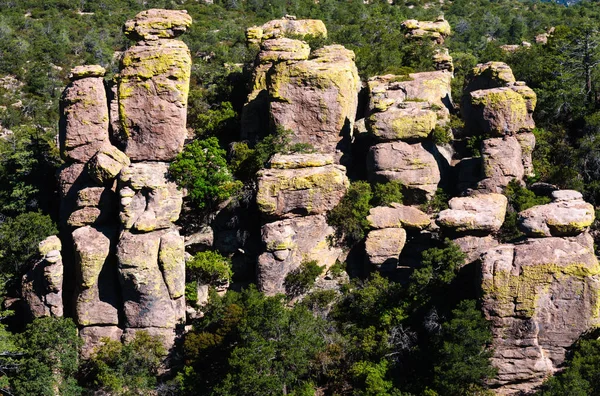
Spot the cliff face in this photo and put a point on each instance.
(120, 246)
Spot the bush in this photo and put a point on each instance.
(349, 217)
(441, 135)
(129, 369)
(438, 203)
(385, 194)
(209, 268)
(19, 239)
(303, 278)
(202, 169)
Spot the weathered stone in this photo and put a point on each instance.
(527, 142)
(489, 75)
(398, 216)
(279, 28)
(85, 216)
(498, 112)
(149, 200)
(71, 178)
(405, 121)
(152, 94)
(146, 298)
(303, 191)
(92, 337)
(97, 301)
(442, 60)
(106, 164)
(484, 212)
(316, 98)
(49, 244)
(79, 72)
(539, 296)
(296, 161)
(502, 162)
(98, 197)
(171, 258)
(283, 49)
(156, 24)
(474, 246)
(84, 119)
(201, 240)
(288, 243)
(436, 30)
(568, 215)
(383, 247)
(411, 164)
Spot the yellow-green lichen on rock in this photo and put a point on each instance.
(500, 111)
(157, 24)
(407, 121)
(171, 257)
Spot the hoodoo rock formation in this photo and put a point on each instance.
(120, 259)
(118, 204)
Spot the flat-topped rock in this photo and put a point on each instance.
(404, 121)
(283, 49)
(303, 191)
(484, 212)
(85, 71)
(296, 161)
(489, 75)
(567, 215)
(398, 216)
(436, 30)
(290, 28)
(156, 24)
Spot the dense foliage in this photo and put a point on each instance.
(375, 337)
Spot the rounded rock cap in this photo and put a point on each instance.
(86, 71)
(155, 24)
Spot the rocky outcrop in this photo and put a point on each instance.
(301, 191)
(412, 164)
(153, 88)
(436, 30)
(539, 297)
(295, 193)
(567, 215)
(383, 247)
(483, 212)
(316, 98)
(286, 27)
(119, 212)
(288, 243)
(42, 285)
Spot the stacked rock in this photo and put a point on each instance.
(42, 285)
(542, 294)
(436, 30)
(315, 95)
(128, 255)
(387, 238)
(402, 113)
(500, 109)
(294, 194)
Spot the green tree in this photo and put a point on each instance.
(202, 169)
(349, 217)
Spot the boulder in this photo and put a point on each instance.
(411, 164)
(484, 212)
(567, 215)
(398, 216)
(152, 95)
(280, 28)
(288, 243)
(383, 247)
(489, 75)
(85, 71)
(283, 49)
(106, 164)
(436, 30)
(86, 216)
(297, 161)
(499, 112)
(539, 297)
(84, 118)
(442, 60)
(502, 162)
(97, 197)
(146, 298)
(316, 98)
(97, 296)
(157, 24)
(404, 121)
(301, 191)
(93, 338)
(149, 199)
